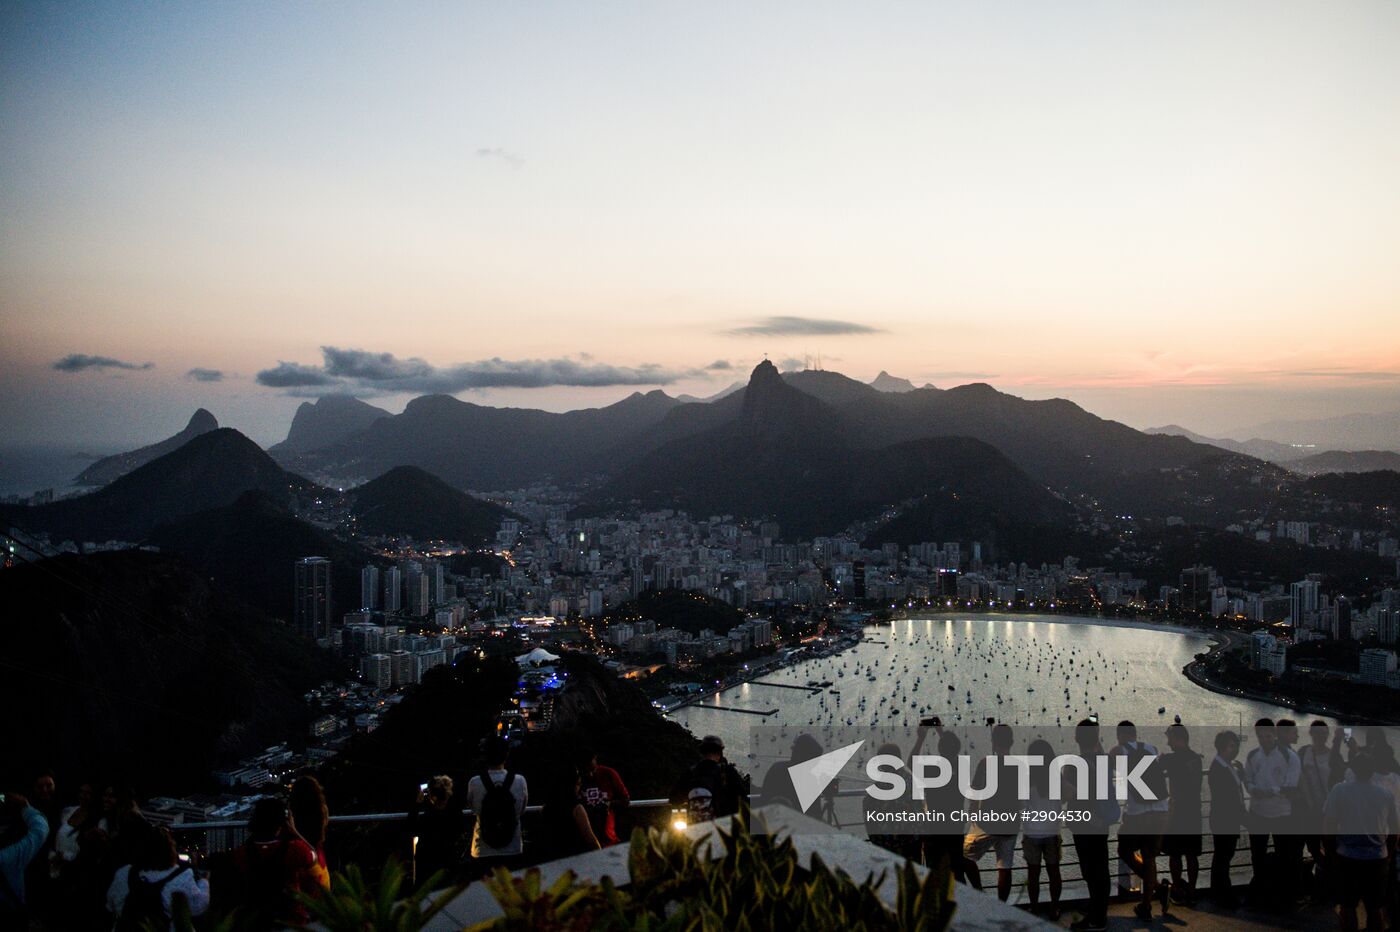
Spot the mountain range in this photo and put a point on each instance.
(119, 464)
(789, 455)
(1055, 442)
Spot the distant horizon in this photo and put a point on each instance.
(274, 433)
(1184, 214)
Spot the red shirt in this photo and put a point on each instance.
(599, 794)
(292, 861)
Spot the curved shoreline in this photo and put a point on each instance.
(1195, 672)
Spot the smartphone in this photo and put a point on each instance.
(422, 787)
(1346, 733)
(933, 721)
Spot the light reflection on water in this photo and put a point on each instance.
(1023, 660)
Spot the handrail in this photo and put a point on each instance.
(363, 817)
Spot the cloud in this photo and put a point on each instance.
(361, 370)
(501, 155)
(205, 375)
(720, 365)
(801, 327)
(294, 375)
(792, 364)
(81, 362)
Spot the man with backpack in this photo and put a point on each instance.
(142, 894)
(497, 797)
(1144, 818)
(711, 788)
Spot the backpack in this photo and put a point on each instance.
(700, 798)
(498, 819)
(145, 905)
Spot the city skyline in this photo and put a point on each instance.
(1199, 228)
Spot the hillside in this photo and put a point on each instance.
(119, 464)
(248, 549)
(212, 470)
(131, 666)
(1346, 461)
(409, 501)
(687, 611)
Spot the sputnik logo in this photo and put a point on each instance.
(810, 778)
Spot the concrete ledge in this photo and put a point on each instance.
(856, 857)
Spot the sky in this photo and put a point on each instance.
(1184, 212)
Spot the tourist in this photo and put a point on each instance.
(997, 814)
(23, 830)
(1040, 842)
(603, 795)
(497, 797)
(1360, 822)
(142, 894)
(1144, 818)
(311, 818)
(1091, 837)
(1184, 770)
(1290, 856)
(1271, 774)
(439, 831)
(712, 787)
(273, 866)
(881, 815)
(947, 801)
(41, 874)
(565, 828)
(777, 788)
(1227, 815)
(1320, 769)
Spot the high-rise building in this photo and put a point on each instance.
(1303, 594)
(1388, 625)
(393, 589)
(369, 588)
(313, 597)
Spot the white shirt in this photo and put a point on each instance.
(1316, 769)
(1042, 828)
(1267, 775)
(476, 795)
(196, 890)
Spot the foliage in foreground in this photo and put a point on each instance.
(757, 882)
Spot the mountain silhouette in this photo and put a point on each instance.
(409, 501)
(478, 447)
(119, 464)
(330, 420)
(788, 455)
(211, 470)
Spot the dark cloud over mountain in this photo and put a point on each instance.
(200, 374)
(362, 370)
